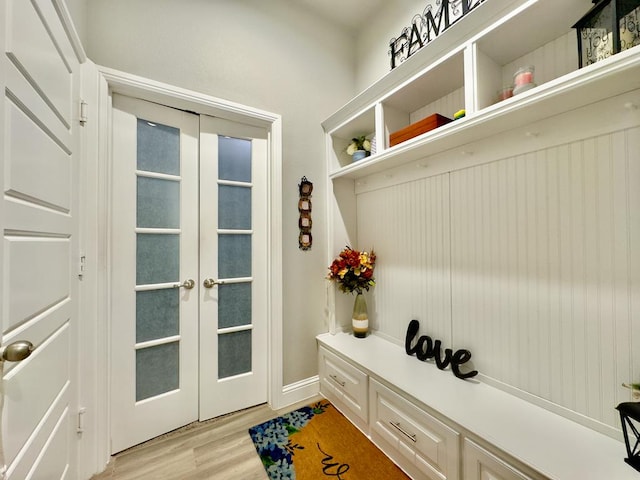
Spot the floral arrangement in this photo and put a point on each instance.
(353, 270)
(359, 143)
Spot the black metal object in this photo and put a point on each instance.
(611, 26)
(437, 17)
(426, 348)
(630, 412)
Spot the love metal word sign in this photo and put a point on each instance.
(426, 348)
(427, 26)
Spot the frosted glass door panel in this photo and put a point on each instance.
(158, 203)
(158, 148)
(234, 159)
(234, 308)
(158, 314)
(234, 354)
(157, 370)
(157, 259)
(234, 256)
(234, 207)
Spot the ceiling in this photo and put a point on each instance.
(346, 13)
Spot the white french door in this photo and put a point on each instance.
(233, 266)
(188, 281)
(154, 327)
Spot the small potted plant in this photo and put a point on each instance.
(359, 148)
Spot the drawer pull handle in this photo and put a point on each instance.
(410, 436)
(335, 379)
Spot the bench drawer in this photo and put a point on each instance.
(344, 385)
(416, 440)
(480, 464)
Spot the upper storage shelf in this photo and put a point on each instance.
(364, 123)
(466, 71)
(538, 34)
(439, 89)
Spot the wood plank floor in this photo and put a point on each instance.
(219, 449)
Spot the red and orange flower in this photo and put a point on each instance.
(353, 270)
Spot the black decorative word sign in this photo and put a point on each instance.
(427, 26)
(426, 348)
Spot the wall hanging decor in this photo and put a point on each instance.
(437, 17)
(610, 27)
(304, 208)
(426, 348)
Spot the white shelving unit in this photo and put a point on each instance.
(468, 75)
(465, 67)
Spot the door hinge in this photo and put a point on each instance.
(81, 413)
(84, 111)
(81, 265)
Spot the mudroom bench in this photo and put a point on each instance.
(436, 426)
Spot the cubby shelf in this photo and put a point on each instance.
(613, 76)
(467, 74)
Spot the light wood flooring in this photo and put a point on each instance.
(219, 449)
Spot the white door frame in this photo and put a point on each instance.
(171, 96)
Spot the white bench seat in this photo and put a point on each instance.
(554, 446)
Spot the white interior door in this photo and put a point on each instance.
(233, 264)
(154, 328)
(188, 269)
(39, 74)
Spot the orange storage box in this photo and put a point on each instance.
(432, 121)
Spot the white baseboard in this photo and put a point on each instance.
(297, 392)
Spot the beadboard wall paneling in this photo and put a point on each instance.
(544, 270)
(446, 106)
(408, 226)
(531, 262)
(550, 61)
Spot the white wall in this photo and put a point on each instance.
(269, 55)
(373, 59)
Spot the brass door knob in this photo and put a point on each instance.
(188, 284)
(210, 282)
(16, 351)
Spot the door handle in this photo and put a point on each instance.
(16, 351)
(410, 436)
(188, 284)
(210, 282)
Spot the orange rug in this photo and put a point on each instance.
(318, 442)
